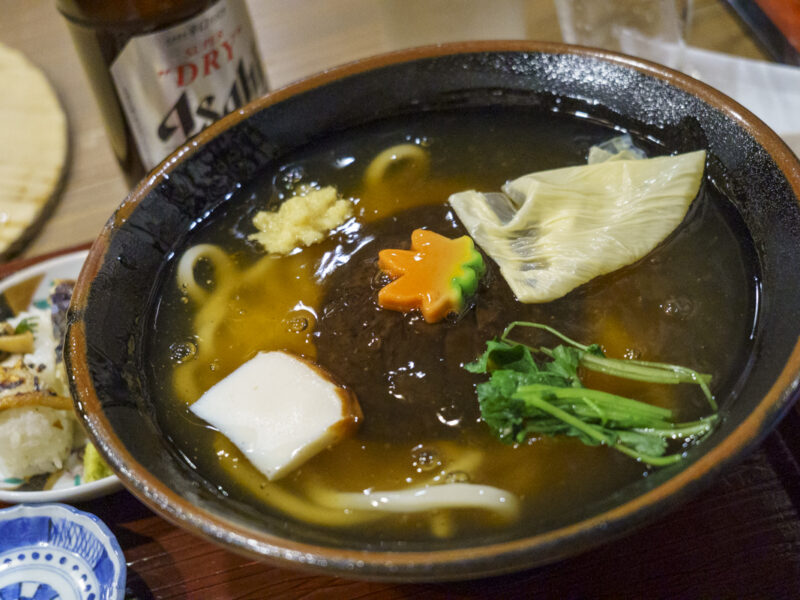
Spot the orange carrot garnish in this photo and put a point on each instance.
(436, 276)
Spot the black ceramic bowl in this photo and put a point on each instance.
(749, 162)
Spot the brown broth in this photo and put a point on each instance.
(691, 301)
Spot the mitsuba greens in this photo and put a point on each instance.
(523, 398)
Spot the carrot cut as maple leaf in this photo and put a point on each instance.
(436, 276)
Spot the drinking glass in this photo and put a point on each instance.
(652, 29)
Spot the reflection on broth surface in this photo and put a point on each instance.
(689, 302)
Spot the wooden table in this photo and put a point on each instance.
(739, 539)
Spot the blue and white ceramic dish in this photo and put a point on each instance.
(55, 552)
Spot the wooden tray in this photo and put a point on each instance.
(739, 539)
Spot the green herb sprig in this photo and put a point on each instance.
(524, 398)
(28, 324)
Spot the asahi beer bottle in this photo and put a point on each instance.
(163, 70)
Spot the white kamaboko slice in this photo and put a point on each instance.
(447, 495)
(279, 410)
(552, 231)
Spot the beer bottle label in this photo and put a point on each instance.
(175, 82)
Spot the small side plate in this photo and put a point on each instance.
(67, 266)
(55, 551)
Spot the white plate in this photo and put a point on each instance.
(67, 266)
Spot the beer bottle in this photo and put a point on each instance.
(163, 70)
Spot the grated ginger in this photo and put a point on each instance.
(302, 220)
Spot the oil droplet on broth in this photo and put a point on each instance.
(296, 324)
(457, 477)
(425, 458)
(184, 351)
(680, 307)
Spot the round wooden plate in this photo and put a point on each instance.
(33, 150)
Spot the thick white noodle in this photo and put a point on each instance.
(411, 158)
(186, 280)
(448, 495)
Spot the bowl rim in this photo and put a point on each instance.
(459, 563)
